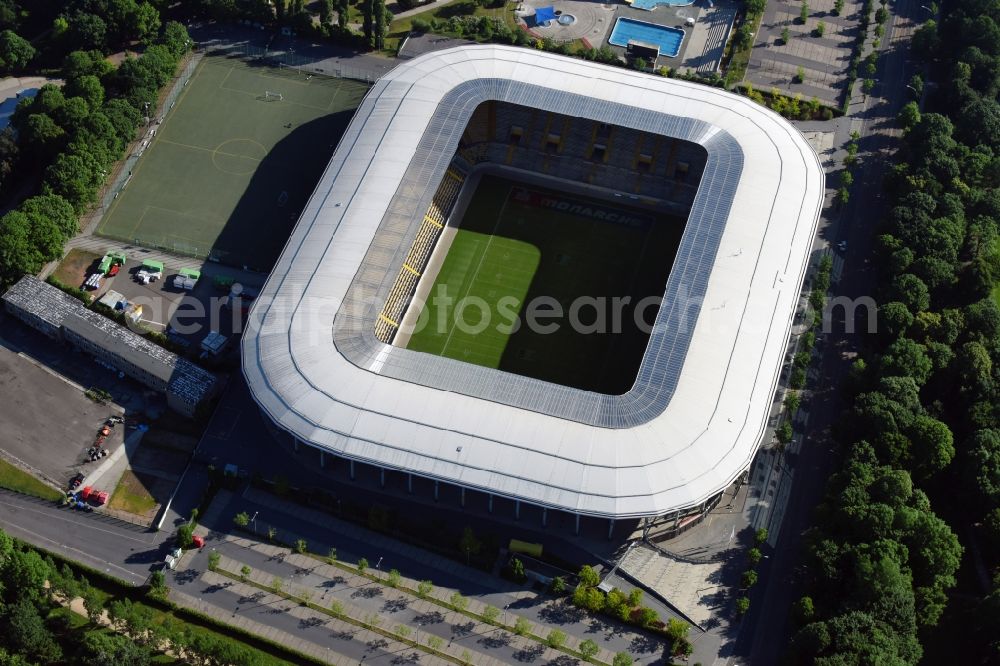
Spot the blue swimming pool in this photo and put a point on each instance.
(667, 38)
(650, 5)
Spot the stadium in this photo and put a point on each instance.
(545, 280)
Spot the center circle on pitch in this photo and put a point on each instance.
(239, 157)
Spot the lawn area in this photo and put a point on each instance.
(72, 270)
(519, 244)
(16, 479)
(400, 28)
(131, 495)
(233, 164)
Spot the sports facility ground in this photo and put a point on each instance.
(231, 167)
(519, 243)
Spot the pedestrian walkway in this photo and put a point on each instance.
(543, 613)
(363, 600)
(255, 628)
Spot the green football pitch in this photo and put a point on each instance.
(231, 167)
(522, 244)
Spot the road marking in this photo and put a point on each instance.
(49, 515)
(129, 573)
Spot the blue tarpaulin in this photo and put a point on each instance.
(543, 14)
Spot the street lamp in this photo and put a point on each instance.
(253, 521)
(504, 620)
(379, 563)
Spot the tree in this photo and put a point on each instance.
(522, 627)
(556, 639)
(588, 649)
(906, 358)
(588, 576)
(342, 14)
(754, 555)
(933, 446)
(93, 602)
(982, 463)
(820, 29)
(362, 564)
(749, 578)
(909, 116)
(185, 534)
(368, 21)
(647, 617)
(622, 659)
(911, 291)
(158, 582)
(804, 610)
(760, 536)
(424, 588)
(457, 601)
(804, 12)
(394, 578)
(301, 546)
(245, 572)
(742, 605)
(75, 177)
(469, 544)
(15, 52)
(26, 631)
(838, 7)
(558, 585)
(213, 560)
(517, 569)
(108, 649)
(242, 519)
(176, 38)
(490, 614)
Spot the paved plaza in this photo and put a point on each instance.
(824, 60)
(592, 23)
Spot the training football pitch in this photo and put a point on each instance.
(231, 167)
(521, 244)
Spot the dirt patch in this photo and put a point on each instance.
(72, 270)
(140, 494)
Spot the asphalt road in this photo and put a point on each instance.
(98, 541)
(765, 633)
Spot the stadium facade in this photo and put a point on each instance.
(318, 353)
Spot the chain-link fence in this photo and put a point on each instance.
(301, 63)
(126, 167)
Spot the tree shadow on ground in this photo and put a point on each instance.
(562, 613)
(431, 617)
(529, 654)
(395, 605)
(367, 592)
(495, 640)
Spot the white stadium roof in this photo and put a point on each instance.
(700, 405)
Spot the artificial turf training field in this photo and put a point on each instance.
(513, 246)
(228, 172)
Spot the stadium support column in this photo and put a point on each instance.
(576, 528)
(322, 460)
(490, 504)
(611, 527)
(545, 517)
(517, 509)
(437, 490)
(352, 470)
(295, 444)
(381, 477)
(462, 497)
(409, 483)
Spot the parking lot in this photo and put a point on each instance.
(189, 315)
(47, 422)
